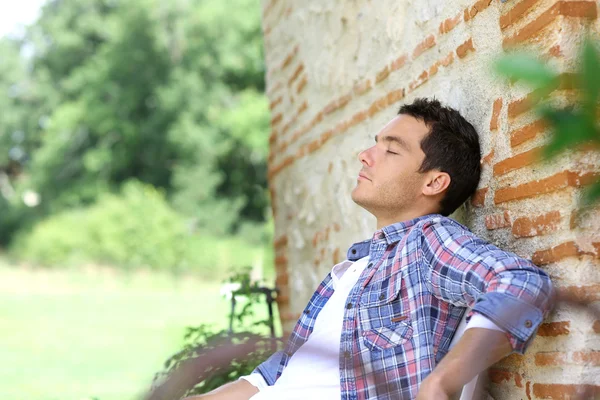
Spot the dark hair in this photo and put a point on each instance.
(452, 146)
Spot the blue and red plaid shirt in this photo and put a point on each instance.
(402, 313)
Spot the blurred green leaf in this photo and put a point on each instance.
(592, 194)
(590, 76)
(570, 129)
(530, 70)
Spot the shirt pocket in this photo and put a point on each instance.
(384, 322)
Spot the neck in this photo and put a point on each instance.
(387, 218)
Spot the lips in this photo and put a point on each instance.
(364, 176)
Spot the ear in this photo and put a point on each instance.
(436, 183)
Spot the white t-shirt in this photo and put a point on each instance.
(313, 372)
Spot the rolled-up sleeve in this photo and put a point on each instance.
(268, 369)
(467, 271)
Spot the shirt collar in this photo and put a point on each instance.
(395, 232)
(390, 234)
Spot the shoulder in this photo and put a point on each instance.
(443, 228)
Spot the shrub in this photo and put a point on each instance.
(134, 228)
(137, 228)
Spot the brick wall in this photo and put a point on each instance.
(337, 72)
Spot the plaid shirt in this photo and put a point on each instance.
(403, 311)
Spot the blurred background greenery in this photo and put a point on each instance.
(133, 147)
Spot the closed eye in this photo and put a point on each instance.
(391, 152)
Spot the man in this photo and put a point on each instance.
(379, 326)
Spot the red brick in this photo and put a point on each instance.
(555, 51)
(279, 167)
(302, 108)
(394, 96)
(498, 376)
(497, 107)
(527, 132)
(476, 8)
(555, 391)
(273, 137)
(586, 358)
(362, 87)
(433, 69)
(377, 106)
(582, 295)
(325, 136)
(556, 253)
(519, 161)
(275, 103)
(497, 221)
(398, 63)
(419, 81)
(296, 74)
(578, 179)
(336, 257)
(466, 47)
(427, 43)
(520, 106)
(281, 261)
(281, 279)
(531, 189)
(553, 329)
(486, 160)
(382, 75)
(448, 24)
(550, 358)
(337, 104)
(577, 9)
(542, 224)
(516, 13)
(557, 358)
(478, 199)
(288, 59)
(518, 380)
(302, 84)
(313, 146)
(276, 119)
(447, 60)
(359, 117)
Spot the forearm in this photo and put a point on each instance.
(238, 390)
(477, 350)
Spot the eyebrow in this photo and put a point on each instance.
(394, 139)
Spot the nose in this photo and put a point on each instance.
(365, 157)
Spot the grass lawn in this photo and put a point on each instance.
(96, 334)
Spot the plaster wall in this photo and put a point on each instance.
(338, 70)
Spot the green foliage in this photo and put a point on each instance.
(165, 93)
(138, 228)
(573, 126)
(135, 228)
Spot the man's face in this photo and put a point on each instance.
(389, 182)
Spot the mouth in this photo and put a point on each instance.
(362, 176)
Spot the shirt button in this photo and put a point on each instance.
(381, 296)
(346, 354)
(353, 251)
(370, 265)
(306, 312)
(349, 306)
(528, 324)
